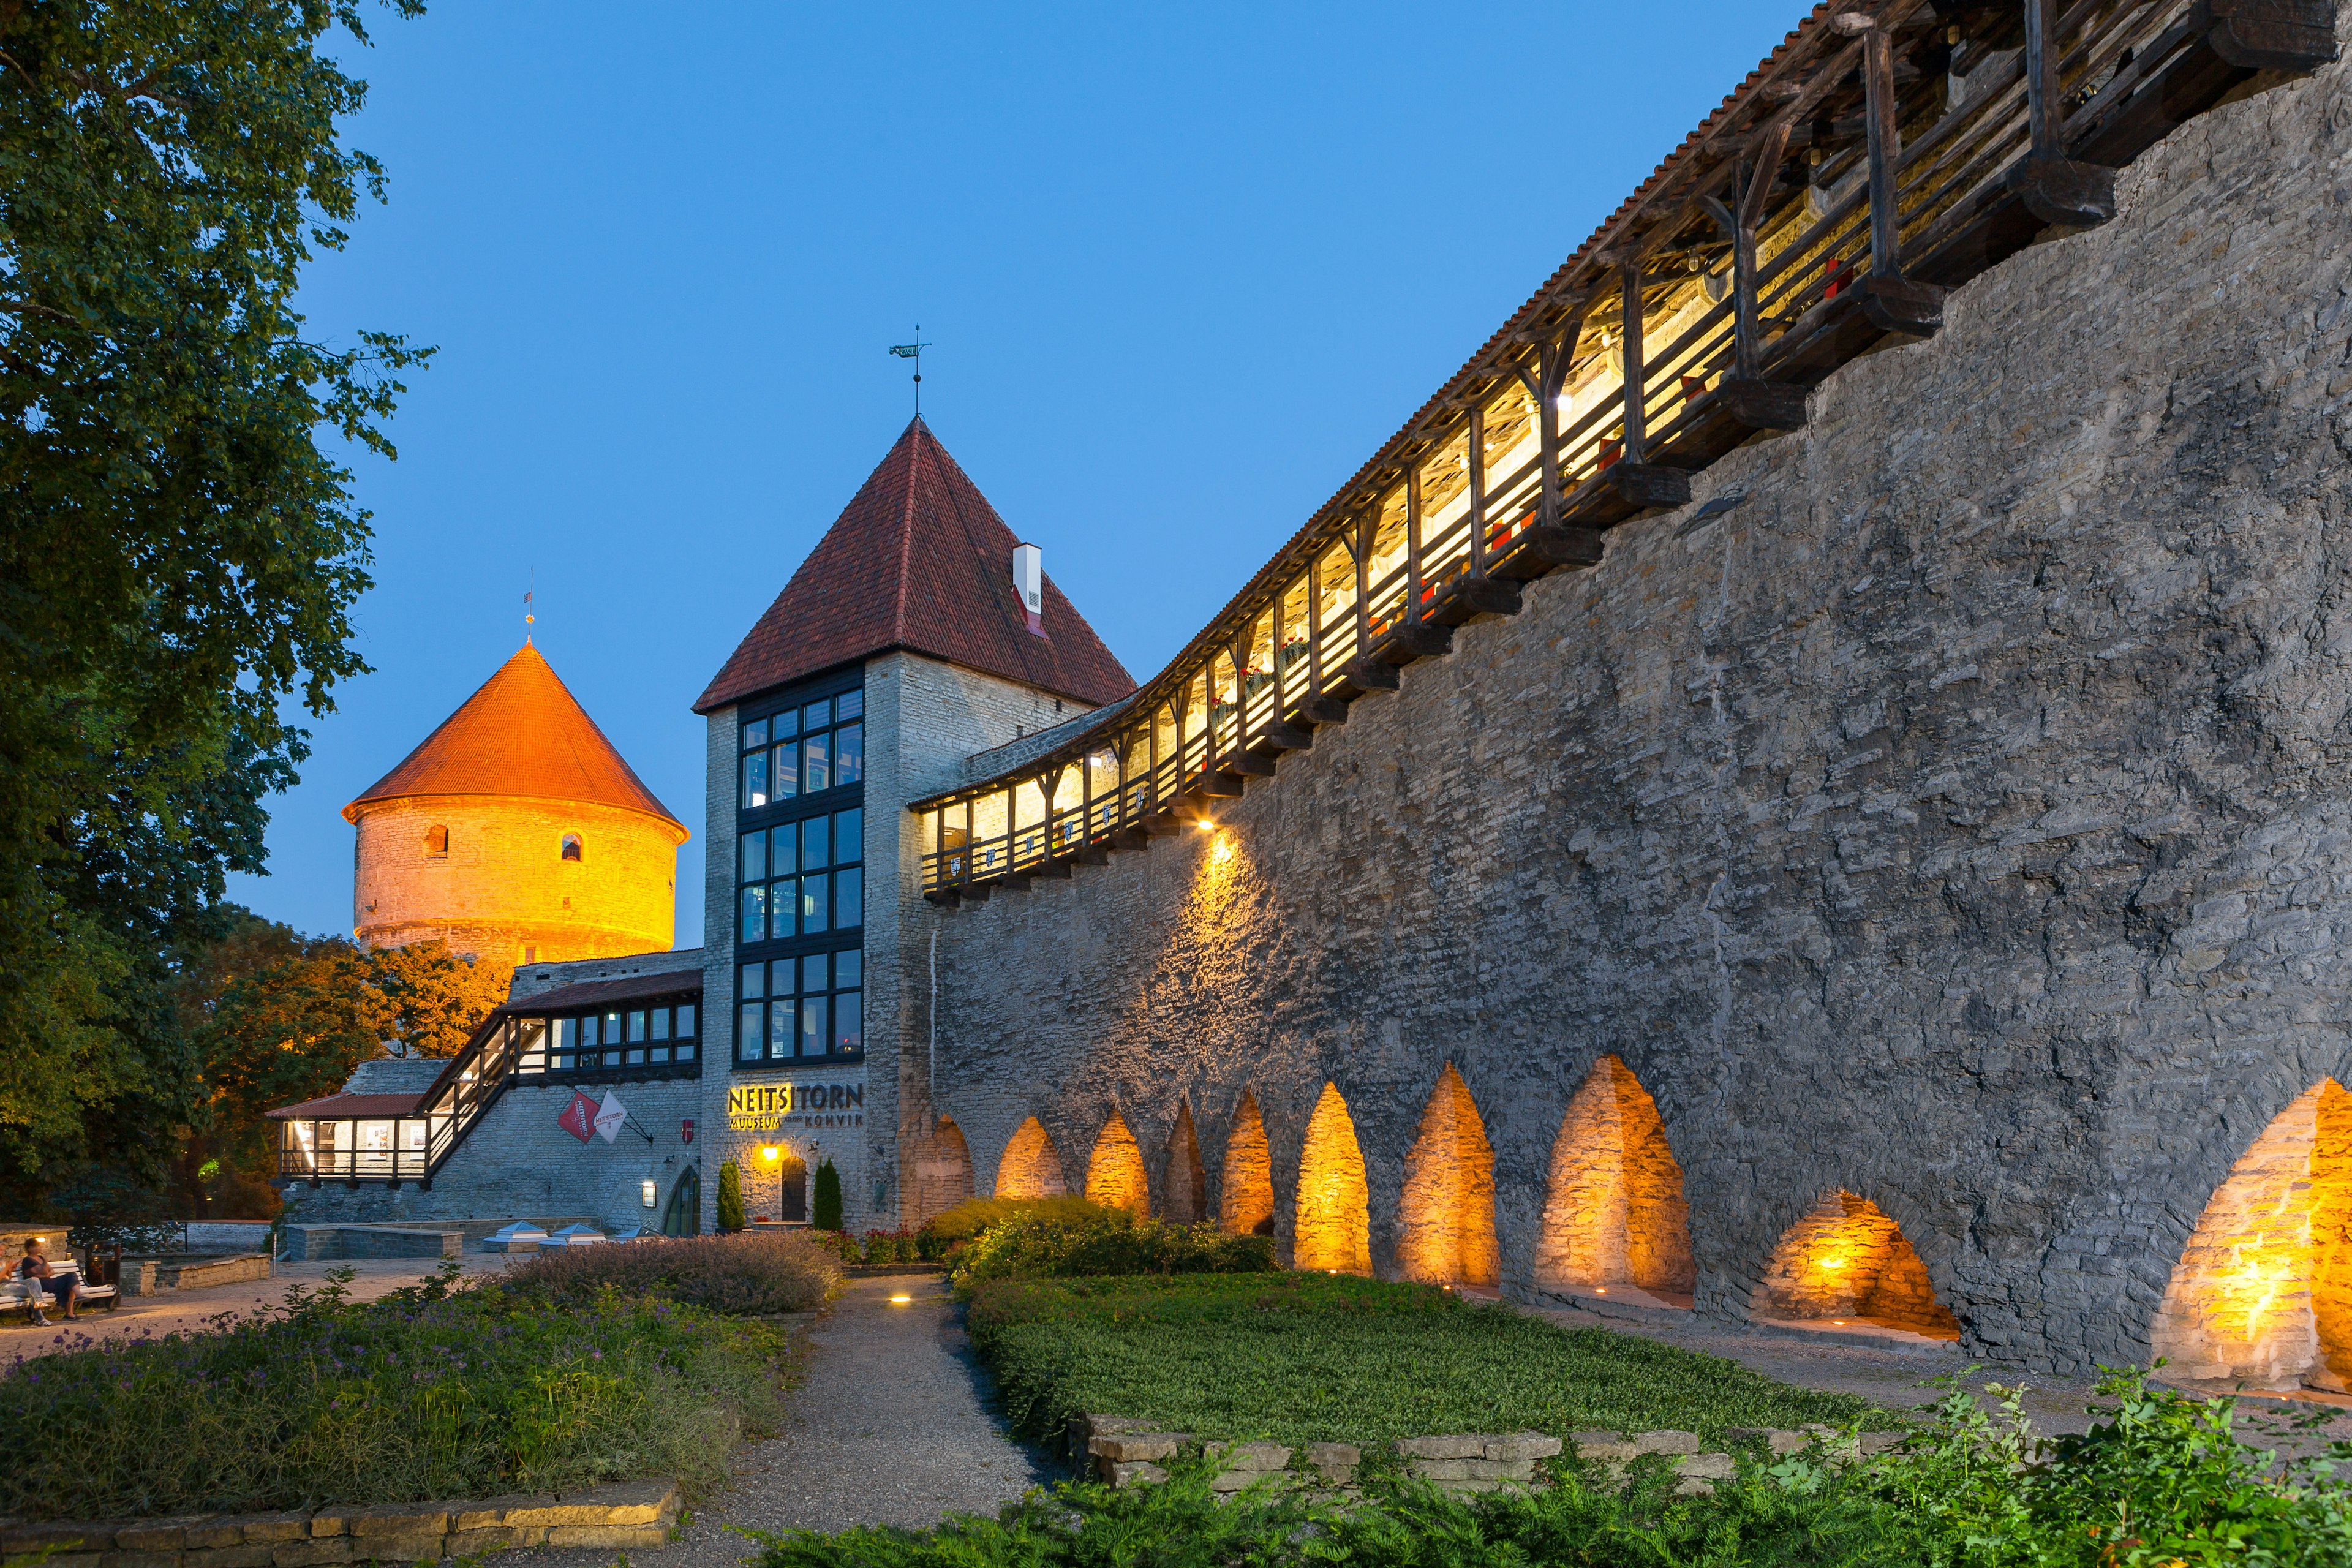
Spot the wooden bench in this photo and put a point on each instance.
(101, 1283)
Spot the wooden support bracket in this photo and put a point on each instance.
(1901, 305)
(1286, 737)
(1093, 854)
(1162, 825)
(1468, 596)
(1246, 764)
(975, 892)
(1540, 549)
(1363, 675)
(1319, 710)
(1410, 640)
(1219, 785)
(1762, 405)
(2273, 34)
(946, 897)
(1645, 485)
(1136, 837)
(1057, 869)
(2056, 190)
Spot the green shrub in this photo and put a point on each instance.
(1107, 1241)
(888, 1246)
(825, 1212)
(1303, 1358)
(944, 1233)
(2157, 1485)
(427, 1394)
(742, 1275)
(731, 1196)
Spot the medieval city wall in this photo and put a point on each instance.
(1959, 820)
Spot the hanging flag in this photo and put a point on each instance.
(580, 1118)
(610, 1115)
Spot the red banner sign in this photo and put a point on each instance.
(578, 1118)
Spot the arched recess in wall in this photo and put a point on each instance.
(1246, 1195)
(2262, 1294)
(1334, 1228)
(941, 1168)
(1614, 1221)
(1115, 1174)
(1445, 1222)
(1186, 1184)
(1847, 1262)
(1032, 1167)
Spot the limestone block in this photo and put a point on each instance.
(1240, 1480)
(1667, 1441)
(554, 1512)
(1776, 1439)
(334, 1521)
(142, 1560)
(334, 1548)
(1462, 1445)
(633, 1502)
(1249, 1456)
(1513, 1446)
(1606, 1448)
(417, 1547)
(61, 1535)
(256, 1555)
(1472, 1469)
(607, 1535)
(271, 1527)
(1128, 1448)
(1336, 1461)
(1707, 1467)
(211, 1534)
(156, 1534)
(490, 1538)
(1872, 1443)
(399, 1518)
(55, 1559)
(1123, 1474)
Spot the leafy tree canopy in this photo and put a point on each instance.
(178, 555)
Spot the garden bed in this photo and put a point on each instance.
(1311, 1358)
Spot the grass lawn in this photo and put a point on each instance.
(1300, 1358)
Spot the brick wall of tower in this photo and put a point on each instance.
(504, 889)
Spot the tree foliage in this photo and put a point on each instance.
(178, 554)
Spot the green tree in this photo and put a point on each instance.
(825, 1213)
(179, 553)
(731, 1196)
(441, 998)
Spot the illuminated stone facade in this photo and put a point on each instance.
(1944, 813)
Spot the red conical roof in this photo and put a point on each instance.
(523, 734)
(917, 559)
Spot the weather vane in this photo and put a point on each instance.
(527, 617)
(914, 351)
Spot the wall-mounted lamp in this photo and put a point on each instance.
(649, 1192)
(769, 1152)
(1205, 824)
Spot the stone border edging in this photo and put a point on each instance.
(620, 1515)
(1123, 1452)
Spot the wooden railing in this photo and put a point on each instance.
(1884, 155)
(413, 1147)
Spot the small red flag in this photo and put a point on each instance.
(578, 1118)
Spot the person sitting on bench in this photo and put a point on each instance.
(63, 1283)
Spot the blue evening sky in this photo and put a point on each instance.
(1183, 270)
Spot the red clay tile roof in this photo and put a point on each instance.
(523, 734)
(917, 559)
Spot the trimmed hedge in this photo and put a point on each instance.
(1106, 1241)
(749, 1276)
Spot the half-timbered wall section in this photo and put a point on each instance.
(1886, 152)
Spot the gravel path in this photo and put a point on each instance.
(890, 1428)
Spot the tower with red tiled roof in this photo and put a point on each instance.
(515, 832)
(920, 631)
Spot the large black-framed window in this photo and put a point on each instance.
(657, 1037)
(800, 876)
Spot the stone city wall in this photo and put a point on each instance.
(1958, 820)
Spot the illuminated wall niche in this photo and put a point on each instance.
(1031, 1168)
(1186, 1184)
(1246, 1195)
(1115, 1174)
(2263, 1295)
(1447, 1220)
(941, 1170)
(1615, 1220)
(1847, 1262)
(1334, 1228)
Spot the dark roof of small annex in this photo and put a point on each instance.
(596, 993)
(522, 733)
(919, 561)
(355, 1107)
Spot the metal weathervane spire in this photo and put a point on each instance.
(527, 617)
(914, 351)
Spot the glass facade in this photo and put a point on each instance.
(799, 878)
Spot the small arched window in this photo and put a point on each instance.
(436, 843)
(572, 846)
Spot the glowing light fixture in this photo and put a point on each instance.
(1205, 824)
(649, 1192)
(769, 1152)
(901, 1299)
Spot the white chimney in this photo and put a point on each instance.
(1029, 581)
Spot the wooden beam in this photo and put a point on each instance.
(1284, 737)
(1539, 549)
(1630, 332)
(1463, 597)
(1316, 709)
(1367, 674)
(2056, 190)
(1247, 764)
(2273, 35)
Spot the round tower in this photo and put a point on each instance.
(516, 833)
